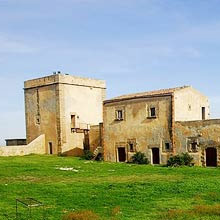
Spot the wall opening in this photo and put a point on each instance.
(211, 157)
(73, 121)
(203, 113)
(50, 148)
(155, 155)
(121, 154)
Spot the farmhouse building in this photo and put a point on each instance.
(146, 122)
(66, 115)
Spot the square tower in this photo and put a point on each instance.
(63, 107)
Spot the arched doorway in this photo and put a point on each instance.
(155, 155)
(211, 157)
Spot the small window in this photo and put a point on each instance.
(167, 146)
(119, 115)
(131, 147)
(194, 146)
(153, 112)
(73, 121)
(38, 119)
(203, 113)
(190, 107)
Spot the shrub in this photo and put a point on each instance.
(183, 159)
(88, 155)
(81, 215)
(139, 158)
(99, 157)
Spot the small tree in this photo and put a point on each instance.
(139, 158)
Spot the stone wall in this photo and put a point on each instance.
(37, 146)
(205, 133)
(137, 127)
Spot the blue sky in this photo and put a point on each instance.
(135, 45)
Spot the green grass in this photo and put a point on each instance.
(141, 191)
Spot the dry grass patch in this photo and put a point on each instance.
(197, 211)
(82, 215)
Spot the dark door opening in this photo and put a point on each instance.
(211, 157)
(156, 155)
(50, 148)
(121, 154)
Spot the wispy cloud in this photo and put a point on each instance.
(12, 45)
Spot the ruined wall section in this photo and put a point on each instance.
(37, 146)
(205, 133)
(137, 126)
(189, 103)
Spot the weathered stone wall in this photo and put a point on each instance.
(37, 146)
(189, 103)
(41, 114)
(206, 133)
(147, 132)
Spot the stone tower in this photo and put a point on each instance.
(63, 107)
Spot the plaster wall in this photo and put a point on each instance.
(189, 103)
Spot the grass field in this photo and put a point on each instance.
(111, 190)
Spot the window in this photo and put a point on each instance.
(131, 147)
(73, 121)
(119, 115)
(167, 146)
(38, 119)
(203, 113)
(193, 144)
(190, 107)
(153, 112)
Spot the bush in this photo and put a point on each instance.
(139, 158)
(88, 155)
(183, 159)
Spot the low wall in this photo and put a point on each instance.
(37, 146)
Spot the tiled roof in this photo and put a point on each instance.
(146, 94)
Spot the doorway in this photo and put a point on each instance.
(50, 148)
(121, 154)
(155, 155)
(211, 157)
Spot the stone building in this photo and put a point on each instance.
(65, 109)
(160, 124)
